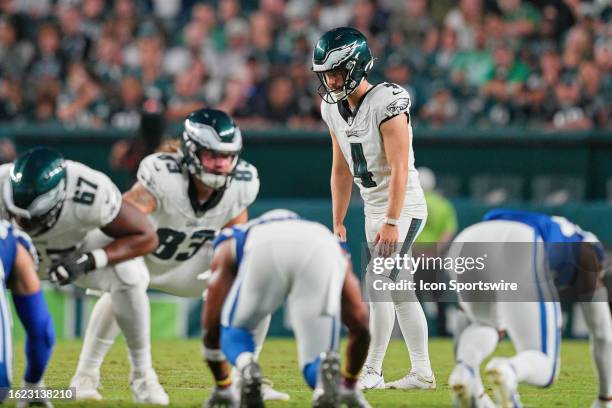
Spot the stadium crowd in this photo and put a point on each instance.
(477, 63)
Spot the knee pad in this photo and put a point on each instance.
(131, 273)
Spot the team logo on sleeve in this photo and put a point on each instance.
(398, 106)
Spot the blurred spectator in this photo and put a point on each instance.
(126, 154)
(45, 103)
(578, 45)
(278, 105)
(48, 62)
(441, 108)
(149, 67)
(126, 114)
(186, 96)
(93, 17)
(11, 99)
(569, 114)
(470, 62)
(464, 19)
(592, 98)
(508, 74)
(235, 98)
(414, 21)
(520, 17)
(15, 54)
(82, 103)
(74, 44)
(109, 59)
(304, 94)
(335, 13)
(447, 51)
(473, 67)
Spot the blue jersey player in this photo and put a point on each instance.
(575, 258)
(18, 273)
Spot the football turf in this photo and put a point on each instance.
(186, 379)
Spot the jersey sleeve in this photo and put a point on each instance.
(155, 174)
(5, 170)
(146, 175)
(96, 198)
(247, 181)
(392, 100)
(8, 248)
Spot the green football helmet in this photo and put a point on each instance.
(344, 49)
(215, 131)
(35, 191)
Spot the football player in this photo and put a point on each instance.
(190, 192)
(59, 203)
(371, 137)
(256, 267)
(543, 254)
(18, 273)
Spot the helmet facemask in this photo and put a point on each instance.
(211, 177)
(331, 95)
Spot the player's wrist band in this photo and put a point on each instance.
(348, 375)
(391, 221)
(224, 382)
(100, 258)
(213, 354)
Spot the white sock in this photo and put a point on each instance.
(261, 331)
(133, 314)
(244, 359)
(533, 367)
(599, 321)
(382, 319)
(101, 332)
(474, 345)
(413, 324)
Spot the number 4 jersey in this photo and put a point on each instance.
(92, 201)
(182, 224)
(362, 145)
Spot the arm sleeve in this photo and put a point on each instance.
(394, 100)
(34, 315)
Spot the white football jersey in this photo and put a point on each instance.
(92, 201)
(359, 137)
(182, 227)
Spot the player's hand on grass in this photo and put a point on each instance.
(386, 239)
(340, 232)
(222, 398)
(71, 267)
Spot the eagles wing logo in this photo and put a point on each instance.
(398, 106)
(336, 56)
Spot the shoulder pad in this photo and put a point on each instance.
(246, 179)
(96, 199)
(158, 172)
(391, 100)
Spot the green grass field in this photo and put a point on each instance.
(186, 379)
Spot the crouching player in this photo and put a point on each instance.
(18, 273)
(255, 267)
(574, 257)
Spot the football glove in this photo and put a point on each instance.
(71, 267)
(223, 398)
